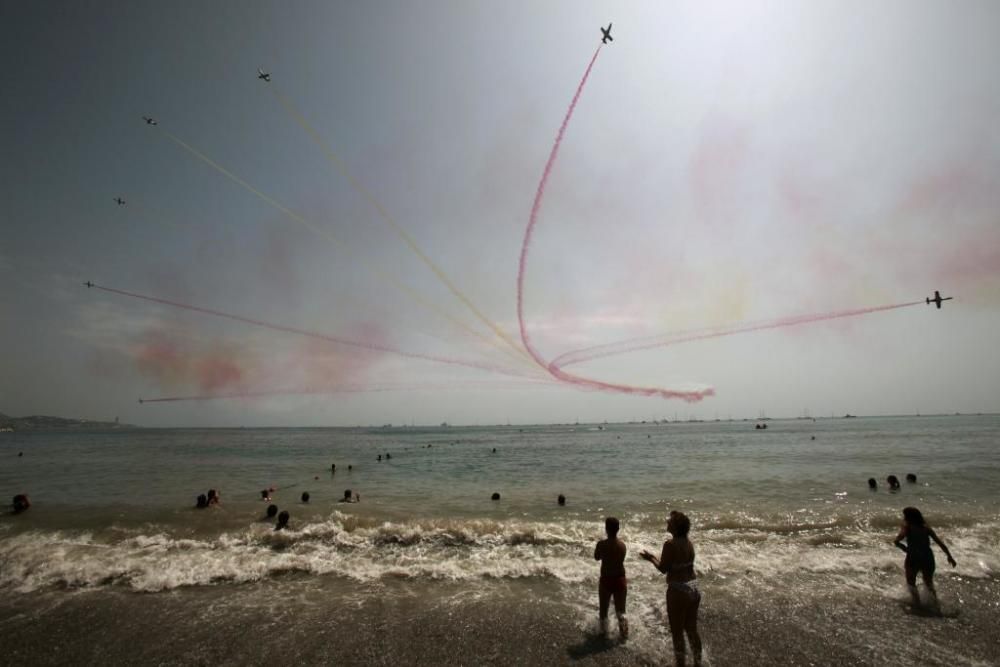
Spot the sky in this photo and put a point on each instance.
(727, 165)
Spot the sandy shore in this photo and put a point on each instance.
(311, 620)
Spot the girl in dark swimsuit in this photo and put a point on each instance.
(919, 557)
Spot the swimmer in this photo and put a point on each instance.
(333, 468)
(272, 510)
(305, 496)
(379, 458)
(893, 482)
(495, 496)
(683, 597)
(611, 552)
(212, 497)
(282, 520)
(919, 557)
(494, 450)
(561, 499)
(911, 478)
(349, 467)
(350, 497)
(872, 484)
(21, 503)
(202, 502)
(265, 495)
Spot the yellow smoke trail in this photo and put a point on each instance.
(416, 297)
(388, 219)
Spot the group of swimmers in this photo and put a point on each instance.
(676, 560)
(892, 481)
(207, 500)
(683, 598)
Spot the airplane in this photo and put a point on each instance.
(89, 284)
(119, 201)
(938, 299)
(149, 121)
(140, 401)
(607, 35)
(261, 74)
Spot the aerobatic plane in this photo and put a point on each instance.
(149, 121)
(938, 299)
(89, 284)
(119, 201)
(261, 74)
(607, 35)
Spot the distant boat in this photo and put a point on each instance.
(850, 416)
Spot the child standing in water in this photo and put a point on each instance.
(919, 557)
(611, 553)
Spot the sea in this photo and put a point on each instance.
(784, 509)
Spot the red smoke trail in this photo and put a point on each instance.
(353, 389)
(555, 371)
(636, 344)
(374, 347)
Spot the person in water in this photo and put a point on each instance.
(683, 597)
(893, 482)
(282, 520)
(919, 557)
(611, 553)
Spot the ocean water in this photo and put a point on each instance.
(784, 511)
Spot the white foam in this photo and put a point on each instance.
(365, 550)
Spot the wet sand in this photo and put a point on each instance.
(315, 620)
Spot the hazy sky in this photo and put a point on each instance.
(728, 163)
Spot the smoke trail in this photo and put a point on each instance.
(372, 347)
(404, 289)
(353, 389)
(388, 219)
(555, 371)
(646, 343)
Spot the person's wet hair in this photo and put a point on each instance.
(202, 501)
(872, 484)
(561, 499)
(495, 496)
(913, 516)
(893, 481)
(911, 478)
(611, 526)
(271, 511)
(682, 524)
(347, 494)
(305, 496)
(21, 503)
(282, 520)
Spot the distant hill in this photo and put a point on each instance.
(47, 423)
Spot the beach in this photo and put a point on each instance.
(521, 622)
(112, 563)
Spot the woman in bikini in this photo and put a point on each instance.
(683, 597)
(611, 553)
(919, 557)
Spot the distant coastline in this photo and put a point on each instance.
(48, 423)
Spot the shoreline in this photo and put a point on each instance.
(327, 620)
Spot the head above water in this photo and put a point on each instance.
(305, 496)
(561, 499)
(495, 496)
(282, 520)
(893, 481)
(913, 516)
(347, 494)
(611, 526)
(271, 511)
(678, 525)
(872, 484)
(911, 478)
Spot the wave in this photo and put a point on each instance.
(364, 550)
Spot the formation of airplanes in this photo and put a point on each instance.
(606, 37)
(938, 299)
